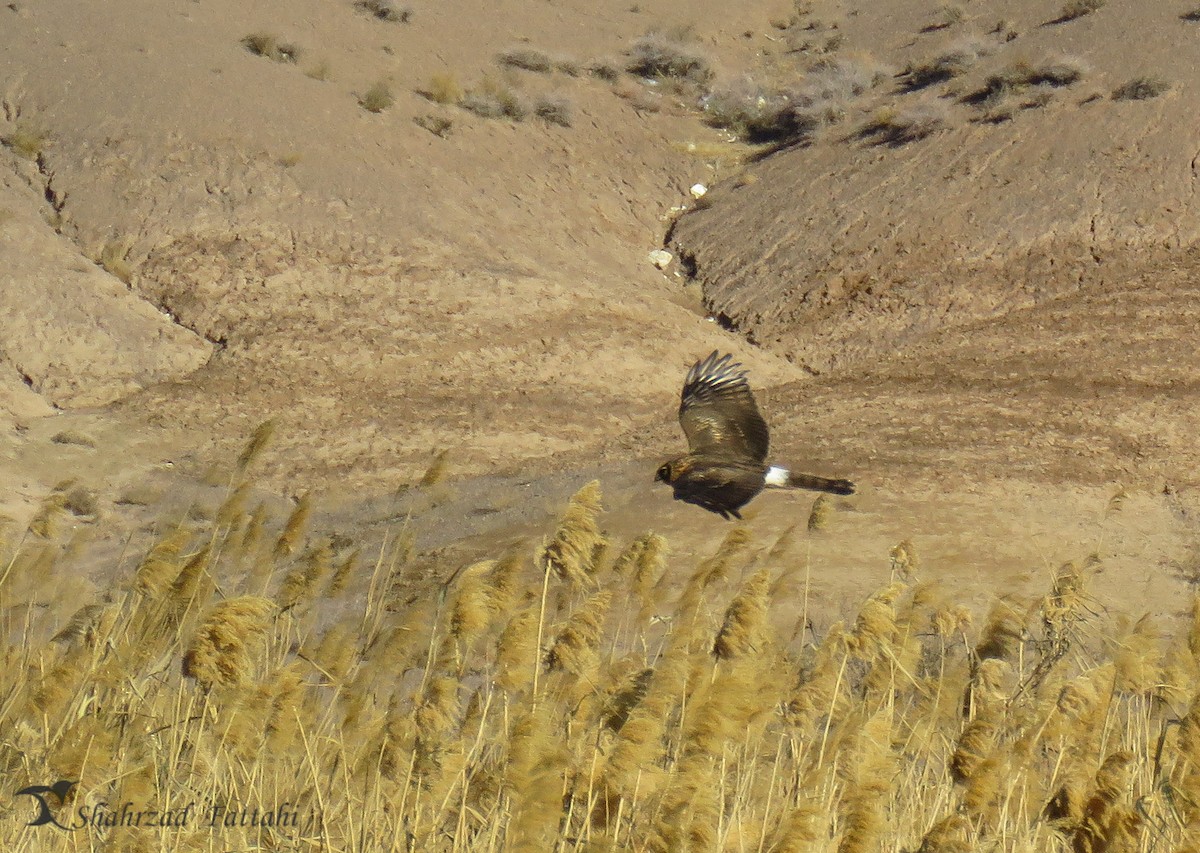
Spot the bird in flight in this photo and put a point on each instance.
(726, 463)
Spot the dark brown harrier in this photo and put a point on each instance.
(726, 463)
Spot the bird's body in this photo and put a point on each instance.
(726, 464)
(722, 486)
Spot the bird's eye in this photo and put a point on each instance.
(664, 473)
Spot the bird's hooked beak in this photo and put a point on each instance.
(663, 474)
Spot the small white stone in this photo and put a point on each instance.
(661, 258)
(698, 190)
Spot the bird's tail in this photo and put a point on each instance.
(782, 478)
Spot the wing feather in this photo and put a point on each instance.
(718, 413)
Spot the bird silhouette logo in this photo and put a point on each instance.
(60, 789)
(726, 463)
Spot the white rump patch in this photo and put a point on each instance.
(777, 476)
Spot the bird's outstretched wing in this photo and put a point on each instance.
(718, 413)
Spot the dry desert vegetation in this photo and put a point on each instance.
(261, 688)
(335, 368)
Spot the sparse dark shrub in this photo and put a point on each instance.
(73, 437)
(999, 114)
(260, 44)
(1037, 100)
(269, 46)
(1020, 75)
(951, 14)
(1058, 72)
(531, 59)
(554, 109)
(443, 88)
(664, 55)
(900, 127)
(1004, 30)
(746, 108)
(112, 259)
(378, 98)
(439, 126)
(1193, 15)
(81, 501)
(949, 63)
(996, 88)
(386, 10)
(483, 105)
(761, 114)
(320, 70)
(1078, 8)
(605, 69)
(527, 58)
(25, 140)
(833, 43)
(644, 99)
(945, 17)
(567, 65)
(496, 99)
(1141, 89)
(817, 37)
(842, 79)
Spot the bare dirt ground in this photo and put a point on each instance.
(990, 329)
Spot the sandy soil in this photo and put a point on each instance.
(990, 329)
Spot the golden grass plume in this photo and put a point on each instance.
(221, 652)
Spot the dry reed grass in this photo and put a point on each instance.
(568, 698)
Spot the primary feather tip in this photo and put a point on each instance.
(715, 366)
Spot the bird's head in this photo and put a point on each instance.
(669, 472)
